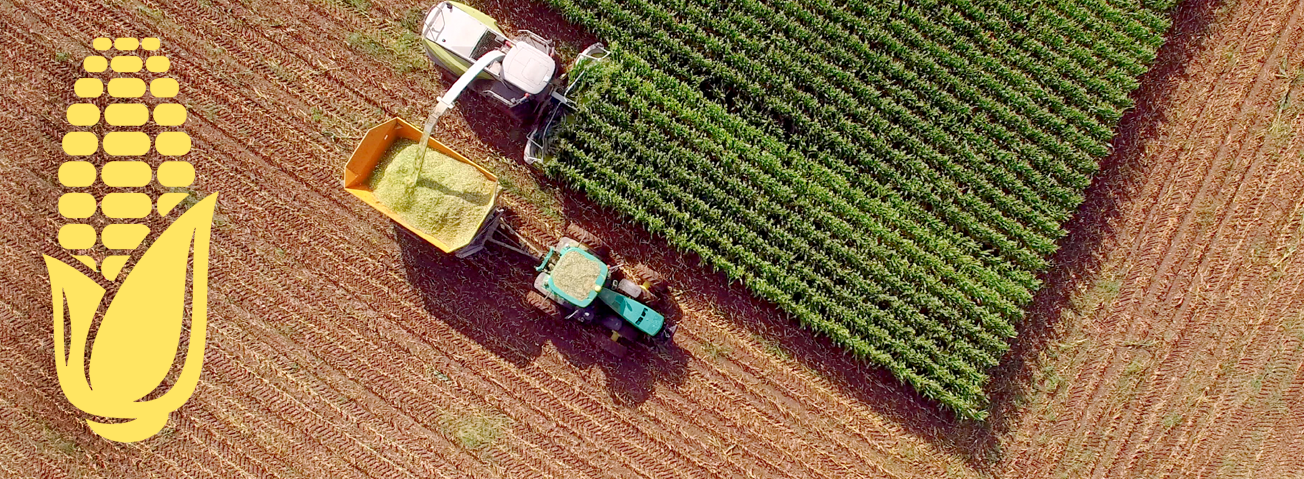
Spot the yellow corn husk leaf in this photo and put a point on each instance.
(137, 338)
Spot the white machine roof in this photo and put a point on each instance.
(454, 30)
(528, 68)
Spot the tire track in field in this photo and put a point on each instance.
(350, 434)
(734, 381)
(1208, 263)
(324, 421)
(776, 390)
(273, 344)
(1238, 426)
(1078, 385)
(1255, 279)
(778, 417)
(1242, 343)
(1211, 431)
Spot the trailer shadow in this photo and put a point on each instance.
(482, 297)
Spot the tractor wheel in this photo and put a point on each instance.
(595, 245)
(543, 304)
(666, 335)
(651, 280)
(619, 328)
(628, 331)
(632, 289)
(612, 345)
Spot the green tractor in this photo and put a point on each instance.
(576, 282)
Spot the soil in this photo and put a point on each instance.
(1169, 341)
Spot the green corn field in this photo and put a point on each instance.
(894, 177)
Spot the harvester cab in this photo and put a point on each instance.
(519, 74)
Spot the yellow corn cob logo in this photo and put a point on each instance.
(132, 350)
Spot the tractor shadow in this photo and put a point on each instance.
(483, 298)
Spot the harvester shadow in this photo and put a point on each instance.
(482, 297)
(978, 442)
(496, 128)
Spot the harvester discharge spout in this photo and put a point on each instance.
(445, 102)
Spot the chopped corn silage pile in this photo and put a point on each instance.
(449, 201)
(575, 274)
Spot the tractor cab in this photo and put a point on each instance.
(454, 36)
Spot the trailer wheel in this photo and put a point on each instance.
(651, 280)
(543, 304)
(595, 245)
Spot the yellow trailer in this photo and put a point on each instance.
(370, 153)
